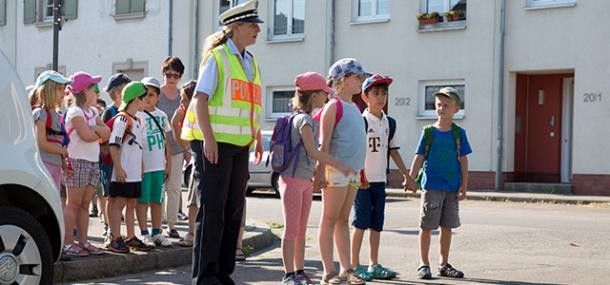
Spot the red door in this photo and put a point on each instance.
(538, 127)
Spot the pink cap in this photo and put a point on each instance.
(311, 81)
(81, 80)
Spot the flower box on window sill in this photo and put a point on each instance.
(428, 18)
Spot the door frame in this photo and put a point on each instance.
(566, 129)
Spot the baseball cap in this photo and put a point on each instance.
(81, 80)
(51, 75)
(311, 81)
(132, 91)
(151, 81)
(346, 66)
(448, 92)
(115, 80)
(246, 12)
(376, 79)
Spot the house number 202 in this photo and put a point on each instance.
(402, 101)
(592, 97)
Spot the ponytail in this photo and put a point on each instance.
(216, 39)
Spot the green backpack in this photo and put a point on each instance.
(428, 138)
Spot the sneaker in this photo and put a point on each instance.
(160, 240)
(107, 237)
(303, 278)
(182, 216)
(173, 233)
(290, 280)
(91, 249)
(148, 240)
(94, 212)
(74, 250)
(423, 272)
(118, 245)
(449, 271)
(137, 244)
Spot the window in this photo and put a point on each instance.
(41, 11)
(370, 10)
(442, 14)
(536, 4)
(427, 88)
(280, 101)
(2, 12)
(129, 9)
(223, 6)
(287, 19)
(61, 69)
(135, 70)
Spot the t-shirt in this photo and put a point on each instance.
(78, 148)
(442, 168)
(40, 114)
(377, 136)
(169, 107)
(154, 141)
(109, 113)
(304, 169)
(130, 148)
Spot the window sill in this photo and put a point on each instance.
(550, 6)
(129, 16)
(44, 25)
(367, 21)
(426, 118)
(443, 26)
(286, 40)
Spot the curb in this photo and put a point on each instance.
(113, 264)
(517, 197)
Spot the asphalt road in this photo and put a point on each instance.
(498, 243)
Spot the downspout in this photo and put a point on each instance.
(16, 35)
(195, 37)
(500, 140)
(170, 32)
(330, 53)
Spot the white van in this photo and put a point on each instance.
(31, 218)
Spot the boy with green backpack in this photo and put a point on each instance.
(442, 151)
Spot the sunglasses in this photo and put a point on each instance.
(173, 75)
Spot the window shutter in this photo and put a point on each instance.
(137, 6)
(2, 12)
(29, 11)
(70, 9)
(122, 7)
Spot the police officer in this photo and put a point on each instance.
(227, 109)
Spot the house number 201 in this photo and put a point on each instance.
(592, 97)
(402, 101)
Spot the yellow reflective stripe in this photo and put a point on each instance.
(229, 121)
(232, 129)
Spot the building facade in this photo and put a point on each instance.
(531, 70)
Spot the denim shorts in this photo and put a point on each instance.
(369, 207)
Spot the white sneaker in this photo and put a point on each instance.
(161, 240)
(148, 241)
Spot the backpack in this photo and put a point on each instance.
(318, 115)
(107, 159)
(392, 125)
(428, 138)
(281, 151)
(51, 131)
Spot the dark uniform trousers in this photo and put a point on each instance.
(222, 197)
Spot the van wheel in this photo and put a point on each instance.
(274, 184)
(25, 250)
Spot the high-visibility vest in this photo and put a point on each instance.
(234, 115)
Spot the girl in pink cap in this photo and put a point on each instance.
(85, 128)
(295, 182)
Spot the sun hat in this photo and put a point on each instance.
(81, 80)
(51, 75)
(375, 79)
(311, 81)
(132, 91)
(346, 66)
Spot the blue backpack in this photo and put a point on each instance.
(281, 151)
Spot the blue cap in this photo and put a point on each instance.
(51, 75)
(115, 80)
(346, 66)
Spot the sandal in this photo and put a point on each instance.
(74, 250)
(363, 273)
(327, 277)
(423, 272)
(186, 241)
(377, 271)
(91, 249)
(449, 271)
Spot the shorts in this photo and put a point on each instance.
(85, 173)
(439, 208)
(369, 207)
(335, 178)
(126, 190)
(193, 190)
(152, 187)
(55, 171)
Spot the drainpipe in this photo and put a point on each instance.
(330, 53)
(500, 141)
(170, 33)
(195, 37)
(16, 35)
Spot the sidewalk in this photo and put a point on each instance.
(256, 237)
(516, 197)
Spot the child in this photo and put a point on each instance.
(156, 155)
(126, 142)
(343, 136)
(49, 89)
(295, 185)
(444, 181)
(85, 128)
(370, 200)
